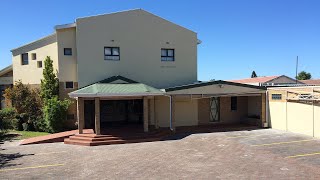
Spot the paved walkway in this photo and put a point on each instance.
(223, 155)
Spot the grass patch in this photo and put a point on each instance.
(18, 135)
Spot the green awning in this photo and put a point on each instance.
(108, 89)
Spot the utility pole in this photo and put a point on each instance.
(297, 69)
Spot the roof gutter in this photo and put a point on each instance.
(75, 95)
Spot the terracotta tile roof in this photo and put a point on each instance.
(311, 81)
(255, 80)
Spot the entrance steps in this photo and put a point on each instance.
(95, 140)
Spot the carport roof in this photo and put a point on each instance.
(202, 84)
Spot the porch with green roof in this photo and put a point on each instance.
(116, 89)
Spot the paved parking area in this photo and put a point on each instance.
(257, 154)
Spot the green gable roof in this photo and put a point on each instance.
(102, 89)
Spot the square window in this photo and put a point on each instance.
(167, 54)
(39, 64)
(112, 53)
(67, 51)
(276, 96)
(33, 56)
(69, 85)
(234, 103)
(24, 59)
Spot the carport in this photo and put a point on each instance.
(217, 102)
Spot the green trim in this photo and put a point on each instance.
(115, 78)
(189, 86)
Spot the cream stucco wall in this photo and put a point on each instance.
(67, 64)
(186, 112)
(162, 111)
(317, 120)
(300, 118)
(31, 74)
(295, 116)
(140, 36)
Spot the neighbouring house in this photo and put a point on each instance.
(135, 68)
(311, 82)
(269, 81)
(6, 81)
(295, 109)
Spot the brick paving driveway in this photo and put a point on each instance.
(257, 154)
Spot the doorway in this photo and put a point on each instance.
(215, 109)
(89, 114)
(119, 113)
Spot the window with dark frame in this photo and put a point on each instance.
(69, 85)
(234, 103)
(112, 53)
(167, 54)
(67, 51)
(276, 96)
(24, 59)
(33, 56)
(39, 64)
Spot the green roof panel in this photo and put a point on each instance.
(114, 89)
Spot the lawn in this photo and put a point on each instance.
(18, 135)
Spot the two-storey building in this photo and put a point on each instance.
(133, 67)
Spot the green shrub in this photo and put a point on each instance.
(28, 104)
(55, 114)
(8, 119)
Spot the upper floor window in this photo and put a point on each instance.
(24, 59)
(112, 53)
(69, 85)
(67, 51)
(234, 103)
(39, 64)
(33, 56)
(167, 54)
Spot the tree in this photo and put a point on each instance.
(253, 74)
(54, 110)
(27, 103)
(50, 82)
(303, 75)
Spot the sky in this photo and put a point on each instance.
(238, 36)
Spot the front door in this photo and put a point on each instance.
(215, 109)
(89, 114)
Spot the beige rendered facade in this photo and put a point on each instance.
(295, 109)
(152, 65)
(140, 37)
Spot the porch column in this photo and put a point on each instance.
(97, 115)
(173, 112)
(145, 114)
(152, 112)
(80, 114)
(263, 109)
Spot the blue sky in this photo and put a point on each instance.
(237, 36)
